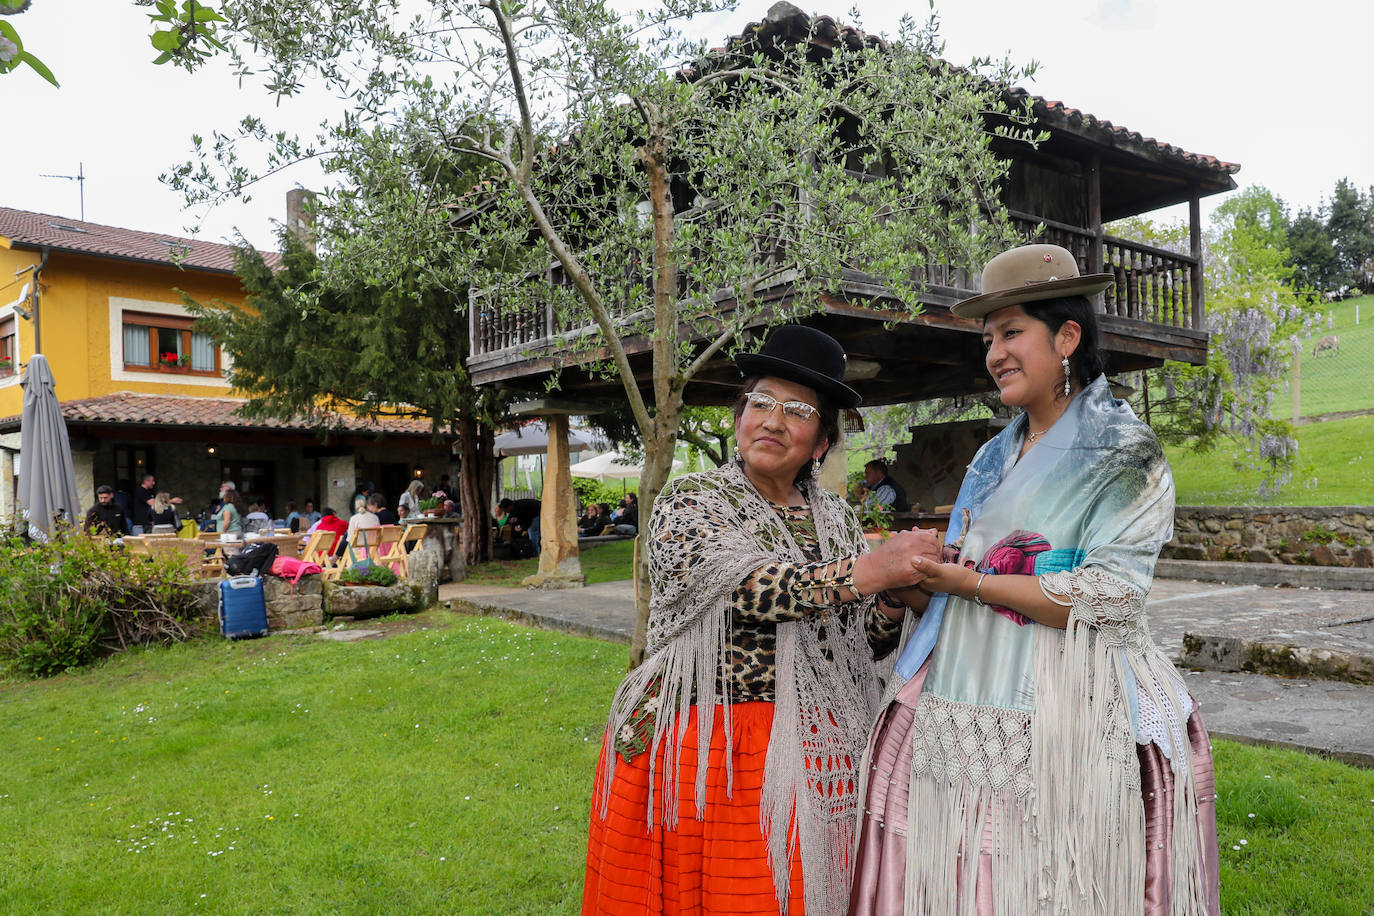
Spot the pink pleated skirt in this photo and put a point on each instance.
(880, 864)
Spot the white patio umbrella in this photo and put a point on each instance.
(47, 480)
(612, 466)
(533, 439)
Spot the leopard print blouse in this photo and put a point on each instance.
(780, 592)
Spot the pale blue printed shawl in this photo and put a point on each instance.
(1024, 735)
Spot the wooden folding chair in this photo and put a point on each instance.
(137, 546)
(389, 551)
(361, 546)
(320, 551)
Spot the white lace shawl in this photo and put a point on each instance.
(707, 534)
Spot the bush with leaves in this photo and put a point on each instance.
(72, 599)
(368, 574)
(594, 491)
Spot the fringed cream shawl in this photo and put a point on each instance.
(708, 532)
(1025, 734)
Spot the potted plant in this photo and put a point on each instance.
(184, 361)
(168, 360)
(876, 520)
(6, 365)
(428, 505)
(367, 574)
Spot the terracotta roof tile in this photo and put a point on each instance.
(33, 230)
(786, 23)
(128, 408)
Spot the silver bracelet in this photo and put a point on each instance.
(978, 588)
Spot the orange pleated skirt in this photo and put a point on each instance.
(712, 866)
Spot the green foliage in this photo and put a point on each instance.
(589, 490)
(874, 516)
(1337, 465)
(70, 599)
(1256, 318)
(12, 53)
(368, 574)
(189, 36)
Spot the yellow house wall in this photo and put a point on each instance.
(79, 306)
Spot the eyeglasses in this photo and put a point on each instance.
(793, 410)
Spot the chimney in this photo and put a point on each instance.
(300, 215)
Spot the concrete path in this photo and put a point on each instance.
(1330, 717)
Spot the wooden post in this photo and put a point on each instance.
(1195, 248)
(1096, 262)
(559, 562)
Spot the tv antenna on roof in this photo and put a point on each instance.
(80, 179)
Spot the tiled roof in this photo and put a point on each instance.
(1059, 114)
(35, 230)
(128, 408)
(787, 23)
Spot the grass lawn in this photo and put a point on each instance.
(444, 769)
(1339, 454)
(1343, 379)
(603, 563)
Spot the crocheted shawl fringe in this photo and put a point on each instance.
(1062, 818)
(826, 691)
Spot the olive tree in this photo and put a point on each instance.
(678, 190)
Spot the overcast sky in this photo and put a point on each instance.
(1281, 88)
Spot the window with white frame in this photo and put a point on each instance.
(166, 343)
(9, 346)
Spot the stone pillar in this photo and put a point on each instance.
(6, 486)
(835, 469)
(337, 484)
(559, 562)
(83, 465)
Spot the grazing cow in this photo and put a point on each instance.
(1330, 342)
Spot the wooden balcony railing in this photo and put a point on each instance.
(1152, 285)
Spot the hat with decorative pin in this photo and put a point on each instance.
(1028, 274)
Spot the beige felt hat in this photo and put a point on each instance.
(1028, 274)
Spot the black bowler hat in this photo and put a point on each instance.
(806, 356)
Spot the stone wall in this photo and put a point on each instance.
(931, 467)
(1303, 535)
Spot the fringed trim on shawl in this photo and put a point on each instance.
(687, 665)
(1106, 619)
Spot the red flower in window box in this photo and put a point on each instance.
(168, 359)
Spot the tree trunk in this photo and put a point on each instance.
(475, 479)
(658, 464)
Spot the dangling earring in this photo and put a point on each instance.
(1065, 363)
(816, 468)
(737, 457)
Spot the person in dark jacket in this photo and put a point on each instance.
(882, 488)
(105, 517)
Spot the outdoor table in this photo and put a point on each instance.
(441, 534)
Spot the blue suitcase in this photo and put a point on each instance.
(242, 608)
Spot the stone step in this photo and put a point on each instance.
(1278, 658)
(1267, 574)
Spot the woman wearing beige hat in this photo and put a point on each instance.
(1037, 753)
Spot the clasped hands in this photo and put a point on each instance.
(896, 565)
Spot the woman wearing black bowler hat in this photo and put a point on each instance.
(730, 763)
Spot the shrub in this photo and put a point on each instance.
(67, 601)
(594, 491)
(368, 575)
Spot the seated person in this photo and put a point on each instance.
(328, 521)
(385, 514)
(105, 517)
(592, 521)
(257, 520)
(162, 514)
(627, 516)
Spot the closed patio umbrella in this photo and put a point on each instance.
(47, 481)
